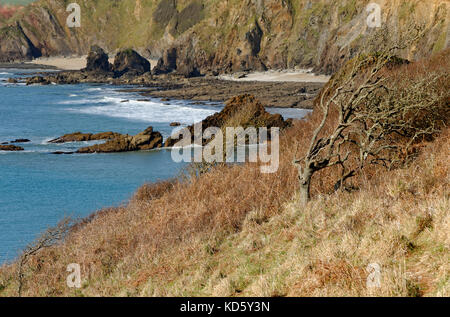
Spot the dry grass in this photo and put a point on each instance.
(234, 231)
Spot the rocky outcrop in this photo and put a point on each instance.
(97, 60)
(39, 80)
(15, 45)
(187, 69)
(80, 137)
(170, 62)
(241, 111)
(146, 140)
(12, 148)
(129, 61)
(167, 63)
(20, 141)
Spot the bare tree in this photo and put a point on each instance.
(362, 112)
(49, 238)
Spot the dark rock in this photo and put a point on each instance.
(175, 124)
(187, 69)
(4, 143)
(97, 60)
(129, 61)
(37, 80)
(20, 141)
(80, 137)
(12, 148)
(12, 81)
(146, 140)
(167, 63)
(15, 44)
(244, 111)
(254, 39)
(62, 153)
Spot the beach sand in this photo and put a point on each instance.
(301, 76)
(64, 63)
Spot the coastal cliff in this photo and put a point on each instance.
(223, 36)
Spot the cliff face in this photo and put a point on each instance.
(224, 36)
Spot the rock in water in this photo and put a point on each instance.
(20, 141)
(12, 148)
(97, 60)
(241, 111)
(146, 140)
(37, 80)
(129, 61)
(80, 137)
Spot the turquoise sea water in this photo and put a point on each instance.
(37, 189)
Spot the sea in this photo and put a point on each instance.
(38, 189)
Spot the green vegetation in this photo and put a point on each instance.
(16, 2)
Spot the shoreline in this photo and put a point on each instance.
(61, 63)
(278, 76)
(274, 88)
(24, 65)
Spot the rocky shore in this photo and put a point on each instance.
(11, 148)
(146, 140)
(244, 110)
(129, 68)
(165, 83)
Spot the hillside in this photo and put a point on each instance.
(233, 231)
(226, 36)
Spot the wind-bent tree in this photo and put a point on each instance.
(365, 114)
(49, 238)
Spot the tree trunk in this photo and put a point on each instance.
(305, 186)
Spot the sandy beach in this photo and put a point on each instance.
(301, 76)
(63, 63)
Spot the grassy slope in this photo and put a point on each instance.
(324, 250)
(235, 231)
(400, 220)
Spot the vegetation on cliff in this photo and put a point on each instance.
(223, 36)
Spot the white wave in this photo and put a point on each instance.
(23, 152)
(148, 111)
(82, 101)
